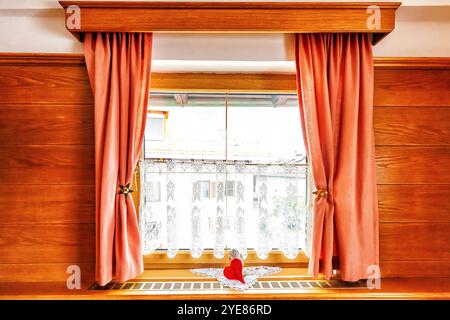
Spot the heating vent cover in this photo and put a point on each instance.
(199, 285)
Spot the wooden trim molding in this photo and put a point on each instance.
(184, 260)
(241, 17)
(412, 62)
(23, 58)
(224, 82)
(220, 82)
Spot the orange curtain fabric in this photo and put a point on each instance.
(118, 65)
(335, 89)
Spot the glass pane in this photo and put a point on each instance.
(194, 127)
(190, 216)
(224, 171)
(154, 130)
(265, 128)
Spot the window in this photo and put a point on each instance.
(156, 125)
(220, 172)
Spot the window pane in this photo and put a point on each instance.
(194, 129)
(265, 128)
(154, 129)
(227, 171)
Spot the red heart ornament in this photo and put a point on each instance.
(234, 271)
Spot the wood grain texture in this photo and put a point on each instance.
(45, 272)
(415, 269)
(46, 111)
(58, 84)
(41, 59)
(412, 126)
(121, 16)
(419, 288)
(44, 164)
(411, 123)
(414, 241)
(414, 203)
(51, 59)
(183, 259)
(68, 243)
(413, 165)
(47, 204)
(25, 124)
(390, 74)
(224, 4)
(414, 63)
(47, 168)
(223, 82)
(412, 87)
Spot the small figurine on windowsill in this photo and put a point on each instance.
(234, 275)
(235, 254)
(235, 270)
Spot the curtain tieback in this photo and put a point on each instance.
(125, 190)
(321, 193)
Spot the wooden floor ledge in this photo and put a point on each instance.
(414, 288)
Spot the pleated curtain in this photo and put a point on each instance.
(335, 90)
(118, 65)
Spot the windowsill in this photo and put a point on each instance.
(406, 288)
(187, 275)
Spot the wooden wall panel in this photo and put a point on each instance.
(47, 199)
(55, 243)
(418, 268)
(46, 124)
(413, 126)
(47, 167)
(413, 165)
(43, 272)
(412, 87)
(47, 164)
(47, 204)
(415, 241)
(412, 134)
(44, 84)
(414, 203)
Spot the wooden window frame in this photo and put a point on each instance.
(272, 83)
(247, 83)
(184, 260)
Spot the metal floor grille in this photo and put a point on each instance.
(203, 285)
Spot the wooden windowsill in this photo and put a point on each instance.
(415, 288)
(407, 288)
(187, 275)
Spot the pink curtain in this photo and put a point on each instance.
(119, 71)
(335, 89)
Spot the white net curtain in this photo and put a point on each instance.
(218, 205)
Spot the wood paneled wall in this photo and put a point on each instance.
(412, 133)
(47, 167)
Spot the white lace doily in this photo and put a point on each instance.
(250, 274)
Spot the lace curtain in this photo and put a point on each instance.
(199, 205)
